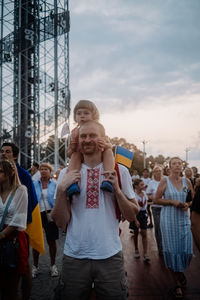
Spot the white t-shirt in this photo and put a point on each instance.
(17, 211)
(44, 204)
(151, 189)
(93, 231)
(60, 176)
(146, 180)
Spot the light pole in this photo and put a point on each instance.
(186, 154)
(144, 152)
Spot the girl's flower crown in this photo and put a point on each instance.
(11, 163)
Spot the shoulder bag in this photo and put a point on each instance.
(8, 247)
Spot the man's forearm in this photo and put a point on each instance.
(128, 207)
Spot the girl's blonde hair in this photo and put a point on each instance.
(157, 167)
(46, 165)
(88, 105)
(9, 168)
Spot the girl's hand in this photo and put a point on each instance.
(69, 178)
(104, 143)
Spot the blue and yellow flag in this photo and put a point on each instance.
(35, 230)
(34, 224)
(123, 156)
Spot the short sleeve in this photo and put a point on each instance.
(62, 172)
(17, 212)
(126, 182)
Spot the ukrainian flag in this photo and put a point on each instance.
(35, 230)
(34, 224)
(123, 156)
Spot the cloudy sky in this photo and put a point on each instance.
(139, 61)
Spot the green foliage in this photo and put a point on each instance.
(138, 159)
(47, 153)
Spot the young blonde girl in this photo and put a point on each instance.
(84, 111)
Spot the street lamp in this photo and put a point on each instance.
(186, 154)
(150, 165)
(144, 152)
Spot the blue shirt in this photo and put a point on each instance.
(51, 188)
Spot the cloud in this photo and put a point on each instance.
(139, 62)
(138, 50)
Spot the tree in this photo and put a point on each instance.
(138, 155)
(138, 158)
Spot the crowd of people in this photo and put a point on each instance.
(87, 200)
(175, 204)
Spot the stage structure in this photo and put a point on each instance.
(34, 76)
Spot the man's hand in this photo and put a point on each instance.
(128, 207)
(69, 178)
(137, 223)
(111, 176)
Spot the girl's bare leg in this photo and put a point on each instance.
(108, 165)
(74, 164)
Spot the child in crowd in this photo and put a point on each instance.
(141, 219)
(84, 111)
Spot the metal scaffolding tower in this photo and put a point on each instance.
(34, 75)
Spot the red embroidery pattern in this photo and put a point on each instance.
(92, 194)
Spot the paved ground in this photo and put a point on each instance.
(152, 282)
(44, 284)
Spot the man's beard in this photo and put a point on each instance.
(92, 147)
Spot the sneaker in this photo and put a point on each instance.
(54, 271)
(73, 189)
(137, 254)
(146, 259)
(34, 271)
(107, 186)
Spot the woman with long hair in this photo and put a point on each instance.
(175, 223)
(13, 229)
